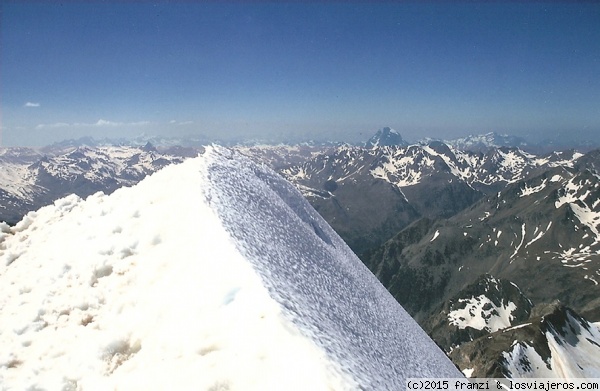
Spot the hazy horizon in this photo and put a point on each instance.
(296, 70)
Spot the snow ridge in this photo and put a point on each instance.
(379, 344)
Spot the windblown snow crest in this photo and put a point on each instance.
(322, 286)
(213, 274)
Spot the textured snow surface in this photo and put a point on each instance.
(210, 275)
(322, 286)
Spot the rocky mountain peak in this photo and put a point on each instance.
(149, 147)
(554, 342)
(385, 137)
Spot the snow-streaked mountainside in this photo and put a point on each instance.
(432, 181)
(485, 306)
(212, 274)
(554, 342)
(406, 166)
(484, 142)
(573, 350)
(547, 226)
(29, 180)
(541, 235)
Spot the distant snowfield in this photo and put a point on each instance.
(214, 274)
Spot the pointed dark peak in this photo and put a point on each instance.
(385, 137)
(79, 152)
(148, 147)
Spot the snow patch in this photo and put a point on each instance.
(523, 361)
(526, 191)
(481, 313)
(518, 247)
(516, 327)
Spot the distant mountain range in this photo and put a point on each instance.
(385, 136)
(410, 182)
(30, 179)
(476, 143)
(479, 240)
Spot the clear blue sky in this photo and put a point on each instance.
(337, 70)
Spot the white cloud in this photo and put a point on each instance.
(173, 122)
(31, 104)
(53, 126)
(103, 122)
(98, 124)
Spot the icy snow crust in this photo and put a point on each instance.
(210, 275)
(321, 285)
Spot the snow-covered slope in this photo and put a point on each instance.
(214, 274)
